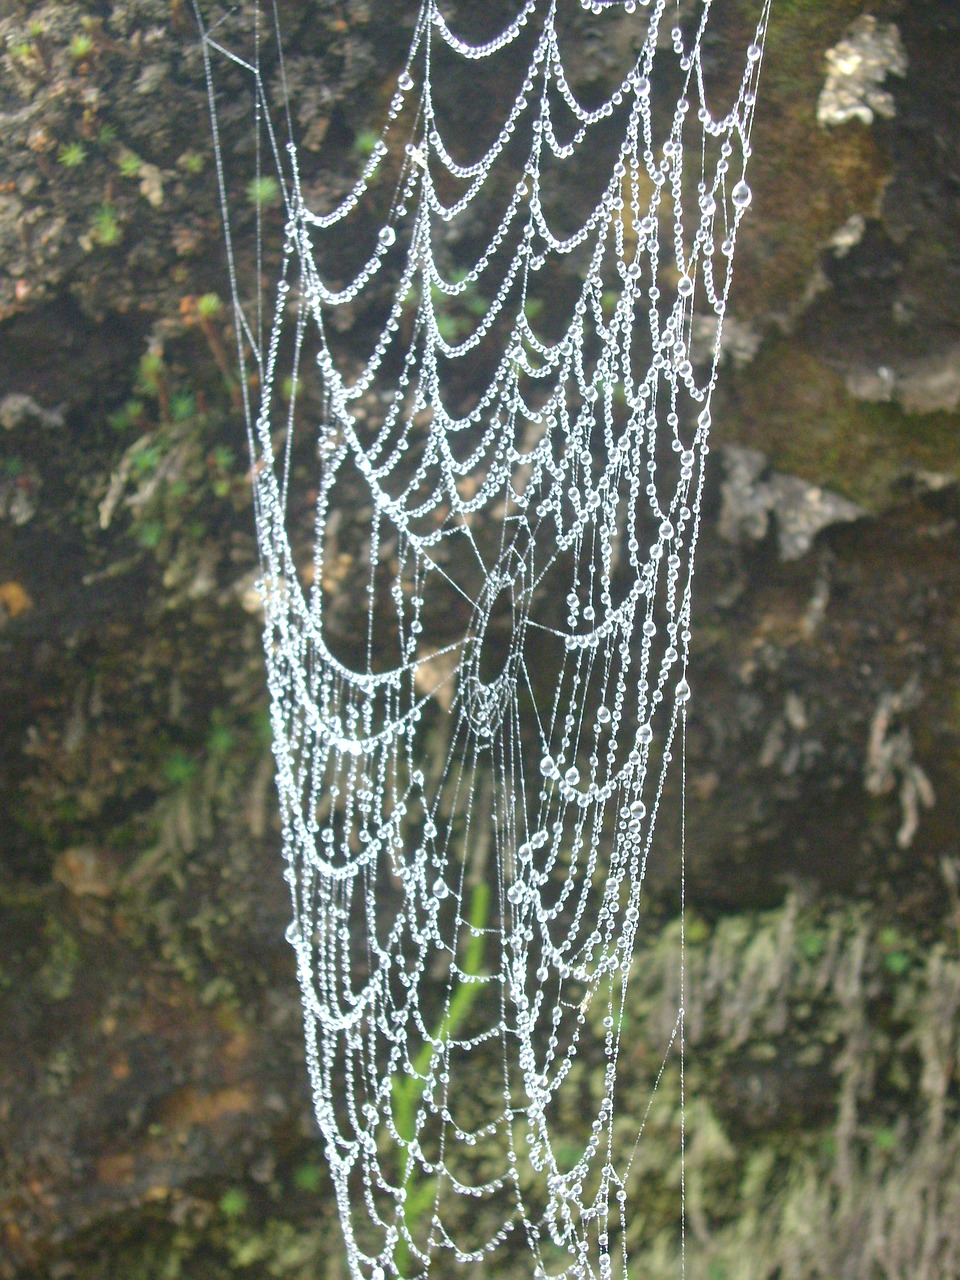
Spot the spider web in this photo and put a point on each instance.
(477, 530)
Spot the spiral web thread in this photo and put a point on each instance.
(469, 792)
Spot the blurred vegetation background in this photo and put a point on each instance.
(154, 1113)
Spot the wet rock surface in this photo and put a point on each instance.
(153, 1103)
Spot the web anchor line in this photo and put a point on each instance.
(477, 511)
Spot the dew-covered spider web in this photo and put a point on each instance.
(479, 435)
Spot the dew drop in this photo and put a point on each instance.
(387, 236)
(572, 776)
(645, 734)
(741, 195)
(603, 715)
(683, 691)
(406, 81)
(685, 287)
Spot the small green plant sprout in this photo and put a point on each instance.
(81, 46)
(608, 301)
(812, 943)
(153, 380)
(37, 32)
(107, 135)
(179, 768)
(191, 162)
(696, 929)
(72, 155)
(264, 192)
(150, 534)
(183, 406)
(407, 1091)
(308, 1177)
(886, 1138)
(233, 1203)
(448, 327)
(129, 163)
(146, 460)
(896, 956)
(365, 143)
(204, 312)
(221, 739)
(532, 308)
(209, 306)
(221, 462)
(127, 416)
(105, 228)
(150, 370)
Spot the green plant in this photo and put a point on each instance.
(129, 164)
(407, 1092)
(150, 535)
(183, 406)
(81, 46)
(896, 956)
(105, 227)
(308, 1177)
(152, 378)
(264, 192)
(209, 305)
(146, 460)
(179, 768)
(72, 155)
(365, 142)
(233, 1203)
(221, 740)
(128, 415)
(41, 46)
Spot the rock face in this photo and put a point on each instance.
(153, 1103)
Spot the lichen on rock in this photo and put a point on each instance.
(856, 68)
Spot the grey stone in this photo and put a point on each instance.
(752, 496)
